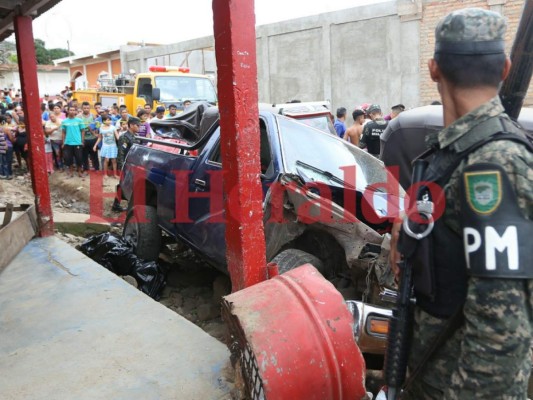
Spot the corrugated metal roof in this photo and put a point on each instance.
(9, 9)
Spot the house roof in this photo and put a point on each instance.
(9, 9)
(106, 54)
(80, 60)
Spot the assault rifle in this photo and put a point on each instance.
(401, 322)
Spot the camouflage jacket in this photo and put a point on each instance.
(489, 356)
(514, 158)
(125, 142)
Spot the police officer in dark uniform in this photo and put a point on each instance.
(373, 130)
(479, 260)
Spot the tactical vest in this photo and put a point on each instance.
(439, 266)
(373, 142)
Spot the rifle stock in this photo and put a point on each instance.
(514, 88)
(400, 328)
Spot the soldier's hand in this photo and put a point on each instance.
(394, 255)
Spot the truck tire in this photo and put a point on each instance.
(145, 236)
(293, 258)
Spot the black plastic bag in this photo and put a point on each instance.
(150, 277)
(110, 251)
(117, 255)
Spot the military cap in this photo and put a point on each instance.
(471, 31)
(373, 108)
(134, 120)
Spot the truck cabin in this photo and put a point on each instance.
(173, 85)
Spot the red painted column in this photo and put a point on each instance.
(32, 116)
(234, 31)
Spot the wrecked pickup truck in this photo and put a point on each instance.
(325, 201)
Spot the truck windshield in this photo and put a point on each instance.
(180, 88)
(321, 122)
(303, 146)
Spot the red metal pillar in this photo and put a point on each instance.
(32, 116)
(234, 31)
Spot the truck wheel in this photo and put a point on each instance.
(292, 258)
(145, 236)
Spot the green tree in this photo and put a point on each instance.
(8, 52)
(46, 56)
(59, 53)
(41, 53)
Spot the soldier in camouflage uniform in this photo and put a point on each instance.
(125, 141)
(488, 355)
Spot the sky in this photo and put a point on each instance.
(95, 26)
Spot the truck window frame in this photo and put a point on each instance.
(265, 151)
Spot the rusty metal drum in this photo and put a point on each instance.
(292, 338)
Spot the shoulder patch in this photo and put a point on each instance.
(483, 190)
(496, 235)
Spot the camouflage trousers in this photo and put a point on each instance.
(485, 358)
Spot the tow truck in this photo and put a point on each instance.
(162, 85)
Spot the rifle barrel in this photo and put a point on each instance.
(514, 88)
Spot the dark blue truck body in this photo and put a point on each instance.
(291, 153)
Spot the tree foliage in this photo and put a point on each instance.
(46, 56)
(7, 51)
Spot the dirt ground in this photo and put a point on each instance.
(193, 288)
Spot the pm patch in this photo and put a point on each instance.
(483, 191)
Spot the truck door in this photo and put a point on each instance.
(207, 232)
(143, 92)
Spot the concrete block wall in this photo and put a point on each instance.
(197, 54)
(362, 54)
(375, 53)
(353, 56)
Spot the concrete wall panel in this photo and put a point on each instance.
(263, 69)
(408, 45)
(201, 61)
(136, 65)
(295, 66)
(366, 69)
(178, 59)
(373, 53)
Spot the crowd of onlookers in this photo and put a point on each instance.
(13, 140)
(83, 137)
(78, 137)
(368, 125)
